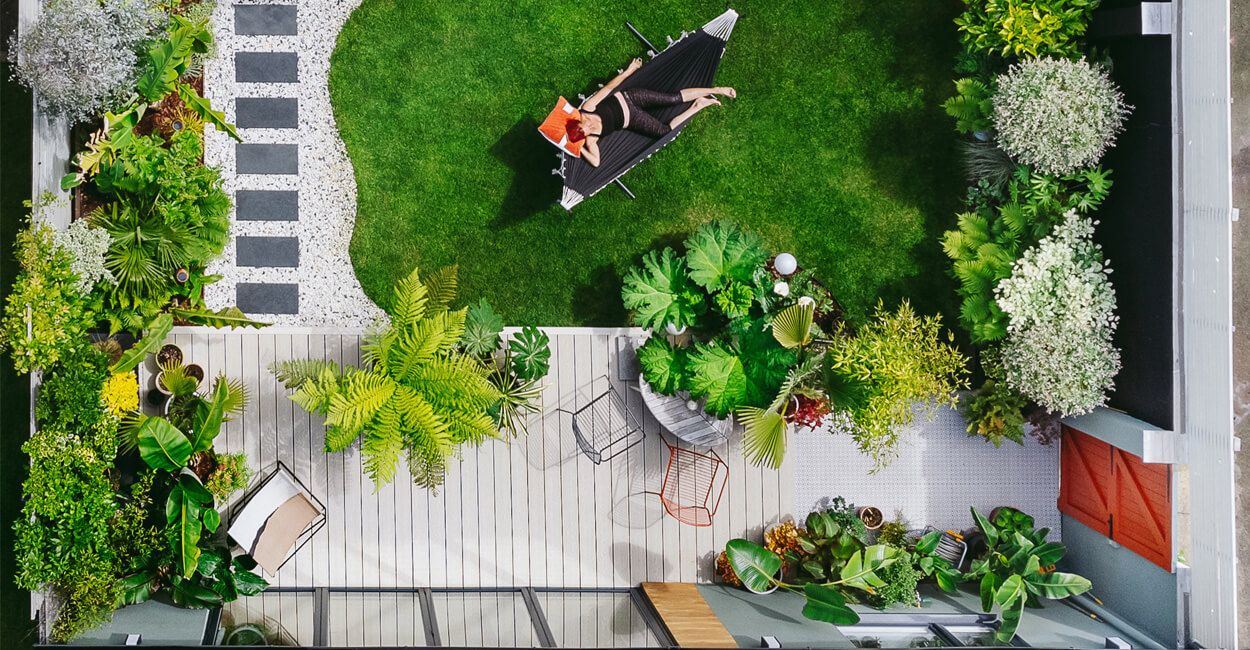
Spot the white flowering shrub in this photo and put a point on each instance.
(81, 56)
(1057, 115)
(1061, 319)
(86, 247)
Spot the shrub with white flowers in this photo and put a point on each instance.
(1061, 311)
(1057, 115)
(87, 246)
(81, 56)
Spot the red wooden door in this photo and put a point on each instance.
(1141, 520)
(1118, 495)
(1086, 483)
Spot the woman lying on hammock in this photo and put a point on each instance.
(608, 110)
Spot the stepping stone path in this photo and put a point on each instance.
(293, 187)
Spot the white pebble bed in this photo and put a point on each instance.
(329, 293)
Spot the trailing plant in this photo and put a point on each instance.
(80, 56)
(1059, 350)
(45, 314)
(88, 592)
(1056, 115)
(661, 292)
(894, 362)
(230, 476)
(417, 393)
(1025, 28)
(1017, 569)
(972, 106)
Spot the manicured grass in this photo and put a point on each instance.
(836, 149)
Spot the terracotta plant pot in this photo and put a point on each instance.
(169, 353)
(872, 517)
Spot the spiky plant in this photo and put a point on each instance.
(416, 393)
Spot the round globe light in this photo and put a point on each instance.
(785, 264)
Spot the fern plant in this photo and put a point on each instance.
(417, 393)
(972, 106)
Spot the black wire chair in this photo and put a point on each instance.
(604, 427)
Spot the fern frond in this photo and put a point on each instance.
(456, 381)
(408, 305)
(426, 340)
(361, 395)
(315, 394)
(470, 427)
(382, 444)
(295, 372)
(441, 286)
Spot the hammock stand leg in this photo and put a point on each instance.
(638, 35)
(625, 189)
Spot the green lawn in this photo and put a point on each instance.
(836, 148)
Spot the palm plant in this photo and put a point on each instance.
(417, 393)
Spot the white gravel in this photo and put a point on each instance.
(330, 295)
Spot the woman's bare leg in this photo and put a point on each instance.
(691, 94)
(698, 105)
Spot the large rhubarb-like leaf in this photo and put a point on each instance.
(716, 374)
(664, 365)
(660, 292)
(720, 252)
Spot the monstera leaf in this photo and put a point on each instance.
(660, 292)
(664, 365)
(716, 374)
(720, 252)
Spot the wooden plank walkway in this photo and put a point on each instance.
(528, 512)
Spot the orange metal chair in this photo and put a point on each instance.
(693, 485)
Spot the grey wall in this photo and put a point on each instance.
(1130, 586)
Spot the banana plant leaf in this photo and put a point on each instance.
(157, 330)
(826, 604)
(185, 510)
(209, 414)
(755, 565)
(860, 571)
(162, 445)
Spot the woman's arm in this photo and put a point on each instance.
(607, 88)
(590, 151)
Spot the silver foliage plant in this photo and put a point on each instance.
(81, 56)
(1057, 115)
(87, 246)
(1061, 310)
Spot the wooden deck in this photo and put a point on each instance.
(686, 616)
(530, 512)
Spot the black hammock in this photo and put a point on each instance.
(689, 62)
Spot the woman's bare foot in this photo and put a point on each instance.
(725, 91)
(704, 102)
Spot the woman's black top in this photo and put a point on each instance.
(609, 111)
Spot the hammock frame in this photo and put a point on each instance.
(581, 180)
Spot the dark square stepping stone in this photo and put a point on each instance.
(266, 205)
(266, 112)
(265, 298)
(254, 20)
(266, 67)
(251, 158)
(267, 251)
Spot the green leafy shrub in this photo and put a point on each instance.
(135, 538)
(230, 476)
(88, 594)
(995, 411)
(70, 394)
(720, 254)
(896, 360)
(86, 247)
(1021, 28)
(899, 585)
(46, 285)
(1056, 115)
(482, 326)
(416, 392)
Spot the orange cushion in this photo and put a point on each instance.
(554, 127)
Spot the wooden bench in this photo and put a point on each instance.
(688, 618)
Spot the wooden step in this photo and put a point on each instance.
(688, 618)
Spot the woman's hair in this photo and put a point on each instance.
(575, 131)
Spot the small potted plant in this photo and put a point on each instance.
(175, 379)
(169, 354)
(871, 516)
